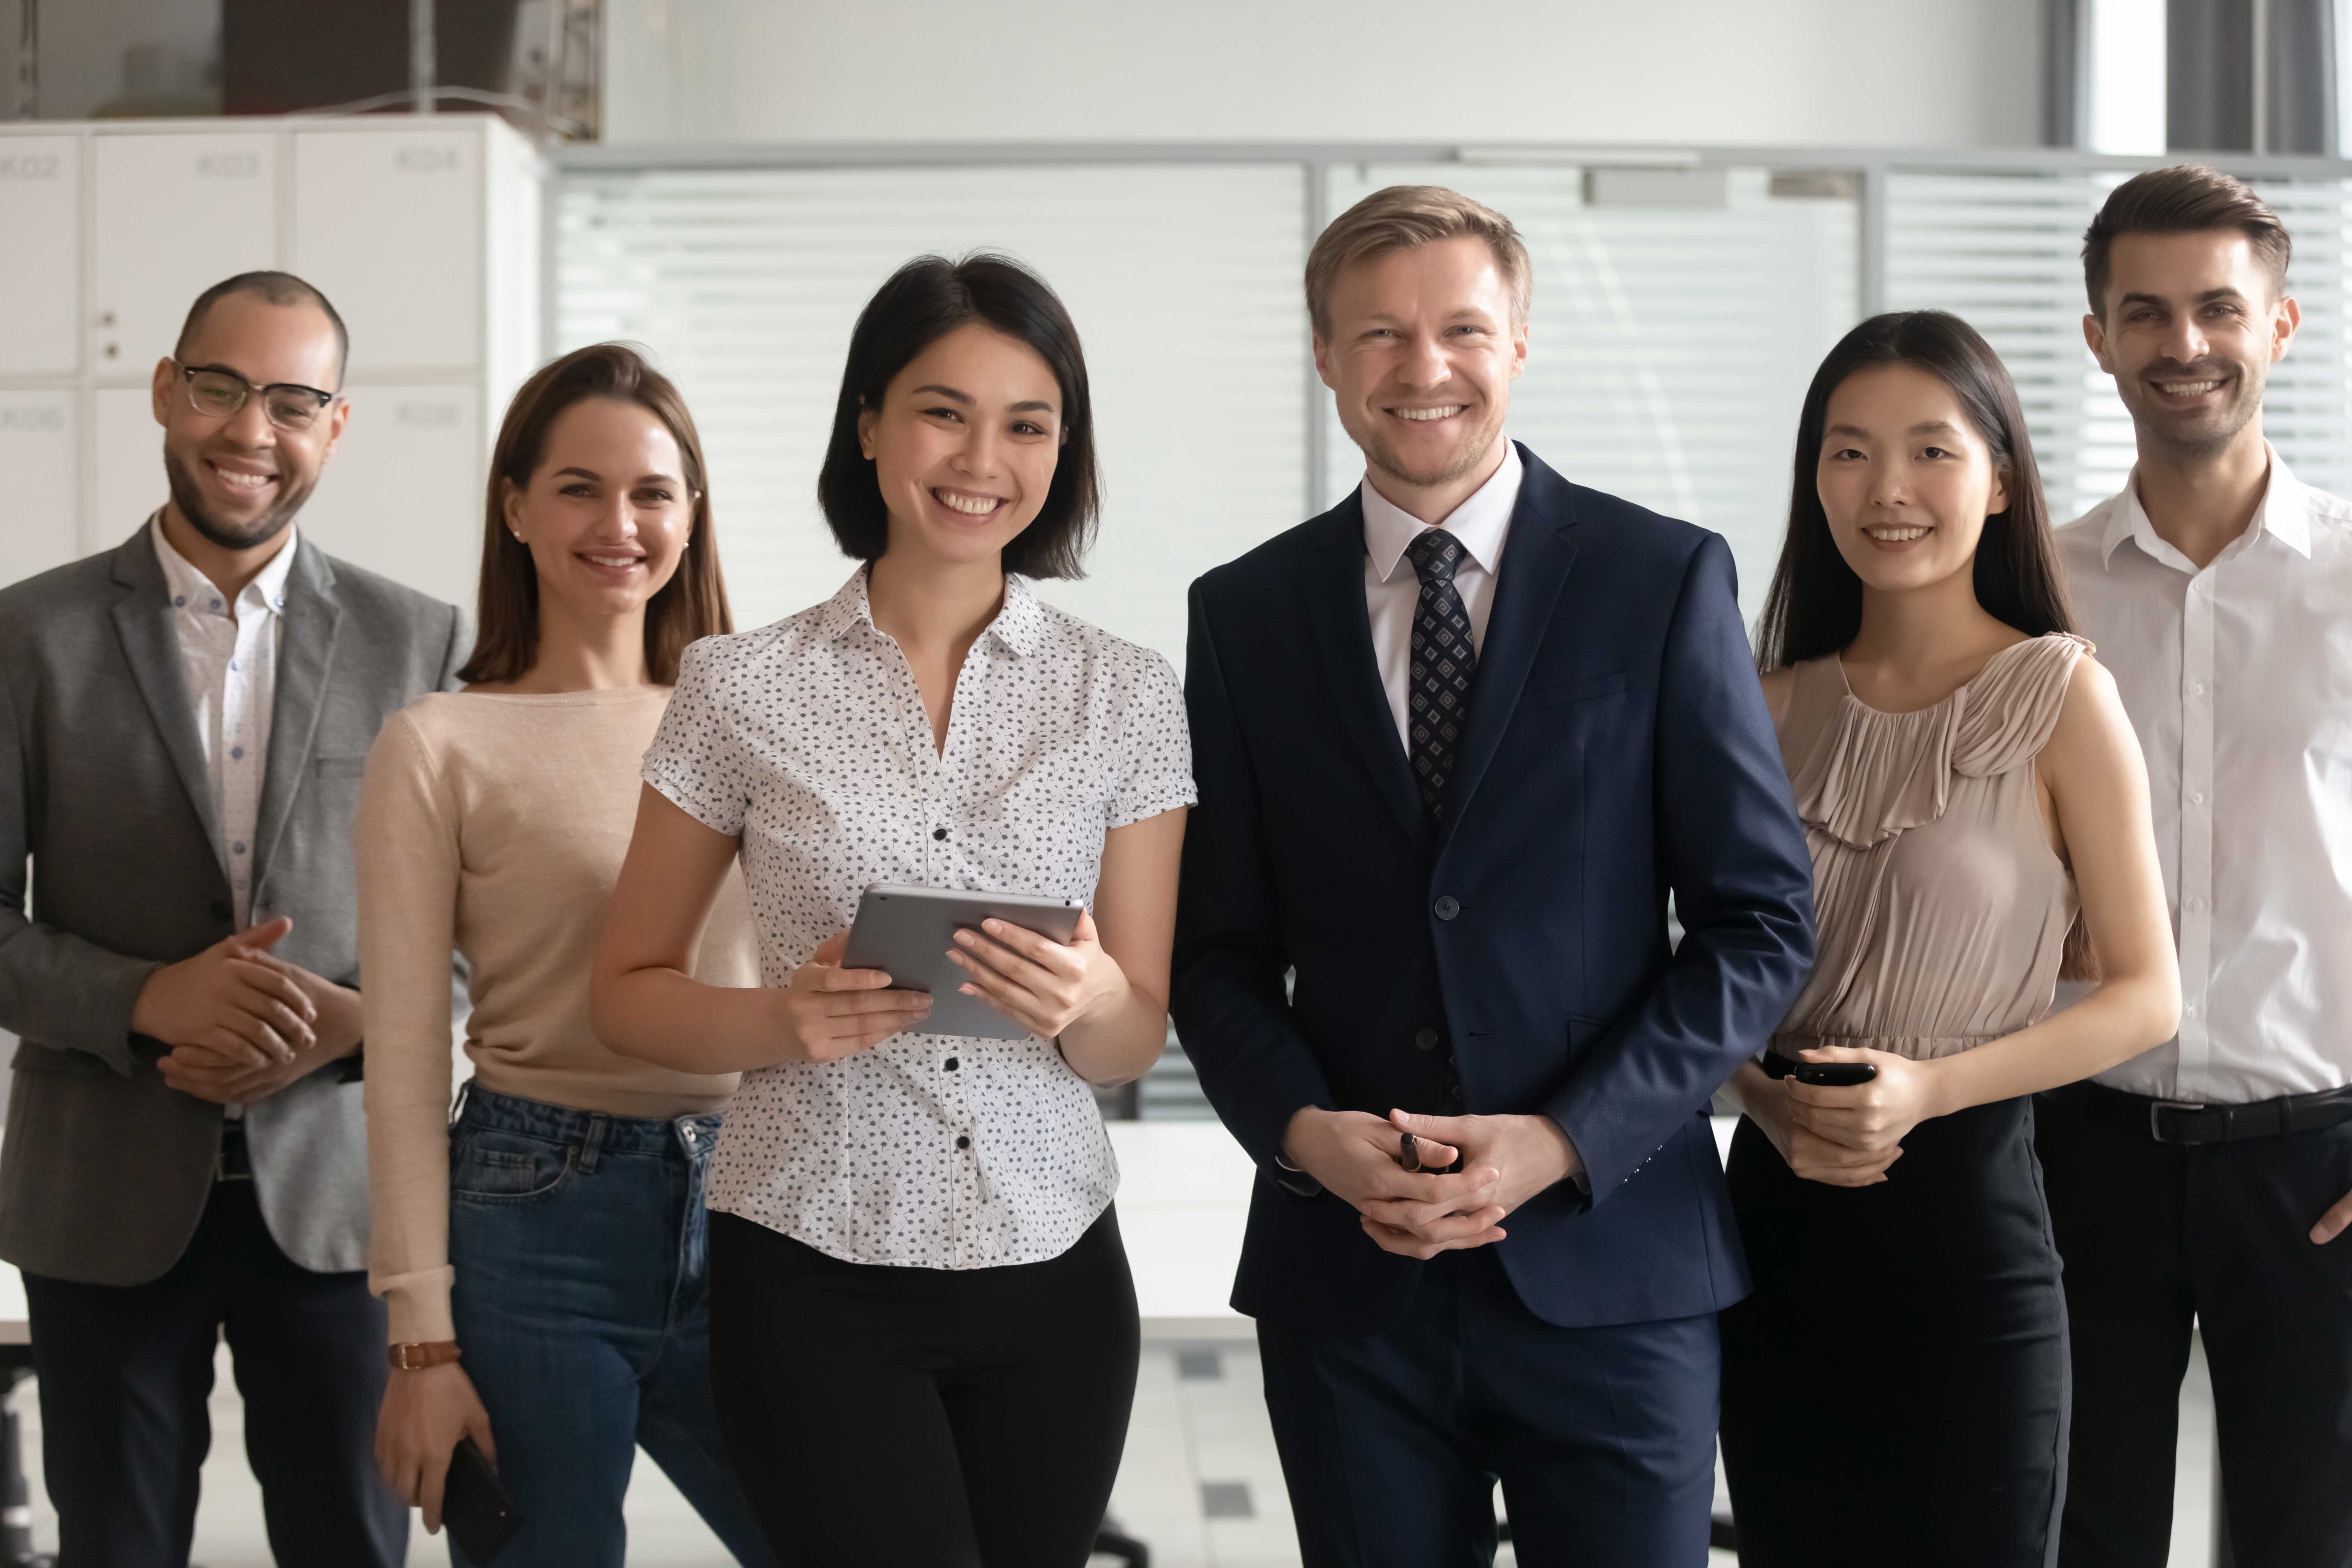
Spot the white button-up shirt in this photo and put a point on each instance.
(2239, 679)
(229, 653)
(1393, 588)
(809, 740)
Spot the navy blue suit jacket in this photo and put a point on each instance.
(1617, 749)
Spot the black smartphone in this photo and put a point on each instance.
(474, 1510)
(1834, 1075)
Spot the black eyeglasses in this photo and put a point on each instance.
(219, 394)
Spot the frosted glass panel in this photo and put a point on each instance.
(1669, 345)
(1183, 281)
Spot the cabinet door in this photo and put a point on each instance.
(127, 466)
(402, 493)
(389, 224)
(40, 212)
(37, 526)
(174, 215)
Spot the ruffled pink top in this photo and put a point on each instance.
(1942, 909)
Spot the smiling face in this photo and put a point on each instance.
(239, 481)
(1422, 347)
(1905, 479)
(964, 442)
(607, 513)
(2194, 323)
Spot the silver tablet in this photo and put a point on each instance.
(909, 931)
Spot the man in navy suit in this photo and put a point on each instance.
(1457, 740)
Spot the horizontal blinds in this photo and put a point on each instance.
(1669, 346)
(1183, 279)
(2004, 251)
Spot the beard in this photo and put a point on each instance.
(1468, 451)
(2194, 431)
(260, 530)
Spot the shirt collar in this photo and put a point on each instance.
(183, 581)
(1019, 625)
(1480, 524)
(2285, 514)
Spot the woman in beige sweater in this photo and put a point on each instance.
(553, 1232)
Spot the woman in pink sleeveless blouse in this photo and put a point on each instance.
(1895, 1389)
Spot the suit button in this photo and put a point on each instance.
(1446, 907)
(1426, 1039)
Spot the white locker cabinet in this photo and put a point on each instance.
(400, 495)
(127, 480)
(389, 226)
(40, 213)
(38, 455)
(172, 215)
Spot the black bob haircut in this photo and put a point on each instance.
(923, 301)
(277, 289)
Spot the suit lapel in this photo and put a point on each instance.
(142, 620)
(1538, 551)
(1343, 634)
(306, 655)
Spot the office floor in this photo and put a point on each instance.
(1200, 1485)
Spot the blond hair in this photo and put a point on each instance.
(1405, 218)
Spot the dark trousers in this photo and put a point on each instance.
(923, 1417)
(1896, 1390)
(125, 1370)
(2159, 1236)
(1603, 1438)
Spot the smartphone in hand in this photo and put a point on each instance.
(1834, 1075)
(475, 1509)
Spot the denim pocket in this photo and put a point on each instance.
(487, 1167)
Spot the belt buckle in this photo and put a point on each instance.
(2154, 1112)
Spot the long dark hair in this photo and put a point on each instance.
(1814, 607)
(921, 303)
(691, 604)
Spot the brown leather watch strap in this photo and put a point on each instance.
(417, 1357)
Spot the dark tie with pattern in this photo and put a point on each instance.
(1437, 689)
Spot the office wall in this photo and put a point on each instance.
(1954, 73)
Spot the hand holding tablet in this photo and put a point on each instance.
(1027, 954)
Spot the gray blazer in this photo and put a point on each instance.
(104, 1171)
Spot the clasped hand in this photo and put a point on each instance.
(1506, 1161)
(1847, 1137)
(242, 1022)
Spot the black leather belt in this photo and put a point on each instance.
(2187, 1122)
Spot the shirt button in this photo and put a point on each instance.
(238, 847)
(233, 665)
(215, 603)
(1424, 1039)
(2196, 797)
(940, 832)
(236, 752)
(2190, 1011)
(954, 1063)
(963, 1142)
(1446, 907)
(2198, 689)
(180, 602)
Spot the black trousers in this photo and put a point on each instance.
(1896, 1390)
(125, 1370)
(1392, 1443)
(923, 1417)
(2159, 1236)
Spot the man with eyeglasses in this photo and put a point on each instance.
(183, 720)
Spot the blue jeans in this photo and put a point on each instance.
(582, 1304)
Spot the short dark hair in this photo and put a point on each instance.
(1814, 605)
(923, 301)
(691, 604)
(2186, 198)
(277, 289)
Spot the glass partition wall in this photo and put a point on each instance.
(1681, 301)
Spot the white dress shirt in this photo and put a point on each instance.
(230, 652)
(1393, 588)
(809, 742)
(2239, 679)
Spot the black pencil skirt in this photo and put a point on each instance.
(1896, 1389)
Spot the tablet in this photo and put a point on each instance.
(909, 931)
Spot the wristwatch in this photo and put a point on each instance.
(417, 1357)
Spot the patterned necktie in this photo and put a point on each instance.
(1437, 691)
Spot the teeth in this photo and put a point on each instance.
(971, 506)
(2187, 388)
(1425, 414)
(245, 482)
(1896, 535)
(615, 560)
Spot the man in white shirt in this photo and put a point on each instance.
(2206, 1180)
